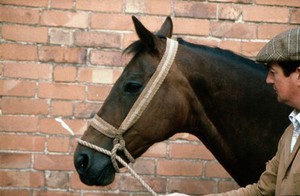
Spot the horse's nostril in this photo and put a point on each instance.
(82, 163)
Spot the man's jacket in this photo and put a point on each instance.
(282, 174)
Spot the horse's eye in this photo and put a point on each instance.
(132, 87)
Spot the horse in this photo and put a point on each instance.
(218, 96)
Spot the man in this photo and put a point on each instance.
(282, 175)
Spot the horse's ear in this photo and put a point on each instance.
(146, 37)
(166, 29)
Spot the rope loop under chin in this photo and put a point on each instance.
(119, 145)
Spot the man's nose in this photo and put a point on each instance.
(269, 79)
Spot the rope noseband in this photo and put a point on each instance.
(137, 109)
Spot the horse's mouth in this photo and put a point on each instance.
(105, 177)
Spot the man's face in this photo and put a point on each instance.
(284, 86)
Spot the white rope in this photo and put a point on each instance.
(99, 149)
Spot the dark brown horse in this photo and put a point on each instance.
(214, 94)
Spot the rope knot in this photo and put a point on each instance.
(119, 144)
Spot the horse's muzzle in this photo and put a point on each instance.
(93, 168)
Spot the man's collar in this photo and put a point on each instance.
(295, 118)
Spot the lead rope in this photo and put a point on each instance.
(104, 151)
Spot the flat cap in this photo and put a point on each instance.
(283, 47)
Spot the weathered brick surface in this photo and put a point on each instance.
(19, 15)
(60, 59)
(25, 33)
(18, 52)
(28, 70)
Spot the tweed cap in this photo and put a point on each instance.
(283, 47)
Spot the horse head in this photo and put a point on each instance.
(169, 110)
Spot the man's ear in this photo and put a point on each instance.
(298, 70)
(298, 73)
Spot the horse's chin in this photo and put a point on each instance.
(105, 177)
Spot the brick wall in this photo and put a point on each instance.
(60, 58)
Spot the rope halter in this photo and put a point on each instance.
(139, 106)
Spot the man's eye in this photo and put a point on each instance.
(272, 71)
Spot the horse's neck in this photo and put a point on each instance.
(219, 83)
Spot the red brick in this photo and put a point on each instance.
(61, 108)
(116, 22)
(51, 126)
(61, 91)
(234, 46)
(14, 161)
(14, 192)
(152, 7)
(230, 11)
(18, 52)
(236, 1)
(65, 73)
(17, 88)
(112, 194)
(265, 14)
(22, 142)
(98, 93)
(21, 179)
(53, 162)
(33, 3)
(184, 136)
(24, 106)
(144, 166)
(233, 30)
(191, 26)
(128, 183)
(100, 5)
(18, 123)
(153, 23)
(86, 110)
(62, 4)
(57, 180)
(61, 36)
(98, 39)
(65, 19)
(25, 33)
(191, 186)
(250, 49)
(158, 7)
(129, 39)
(28, 70)
(77, 184)
(190, 151)
(56, 193)
(295, 3)
(99, 75)
(225, 186)
(112, 58)
(157, 150)
(62, 54)
(58, 144)
(295, 16)
(1, 69)
(179, 168)
(195, 9)
(215, 170)
(19, 15)
(268, 31)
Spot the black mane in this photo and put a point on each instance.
(224, 54)
(135, 48)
